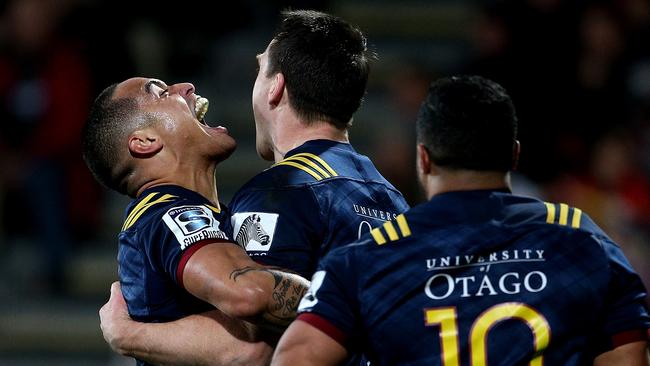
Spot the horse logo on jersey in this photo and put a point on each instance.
(254, 230)
(191, 224)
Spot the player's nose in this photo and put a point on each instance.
(183, 89)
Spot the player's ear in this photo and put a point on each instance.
(516, 149)
(277, 89)
(423, 160)
(144, 143)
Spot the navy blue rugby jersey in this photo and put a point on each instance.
(477, 278)
(321, 196)
(164, 226)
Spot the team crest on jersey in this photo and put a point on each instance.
(191, 224)
(254, 230)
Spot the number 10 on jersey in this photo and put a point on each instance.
(445, 319)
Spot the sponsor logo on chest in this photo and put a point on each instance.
(447, 282)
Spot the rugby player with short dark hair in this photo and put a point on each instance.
(476, 275)
(320, 193)
(176, 257)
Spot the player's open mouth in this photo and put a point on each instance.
(201, 108)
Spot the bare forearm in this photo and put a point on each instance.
(302, 344)
(224, 276)
(203, 339)
(631, 354)
(279, 309)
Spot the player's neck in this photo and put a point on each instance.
(291, 132)
(465, 180)
(200, 180)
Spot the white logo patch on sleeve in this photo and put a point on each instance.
(254, 230)
(310, 300)
(191, 224)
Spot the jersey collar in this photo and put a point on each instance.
(317, 147)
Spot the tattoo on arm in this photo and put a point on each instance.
(288, 290)
(241, 271)
(286, 297)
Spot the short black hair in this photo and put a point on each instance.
(325, 62)
(468, 122)
(109, 122)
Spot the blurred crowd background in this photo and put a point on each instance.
(578, 72)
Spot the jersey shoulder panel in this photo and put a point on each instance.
(315, 163)
(296, 170)
(146, 207)
(502, 209)
(560, 215)
(177, 207)
(391, 231)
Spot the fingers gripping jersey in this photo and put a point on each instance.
(321, 196)
(477, 278)
(162, 229)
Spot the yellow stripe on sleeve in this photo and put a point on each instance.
(378, 236)
(215, 209)
(137, 209)
(301, 167)
(164, 198)
(311, 164)
(318, 160)
(564, 213)
(550, 212)
(390, 230)
(577, 215)
(403, 226)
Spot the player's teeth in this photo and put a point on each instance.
(201, 107)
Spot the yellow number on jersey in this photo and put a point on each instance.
(446, 319)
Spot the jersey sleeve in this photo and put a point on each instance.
(331, 303)
(279, 227)
(178, 233)
(626, 316)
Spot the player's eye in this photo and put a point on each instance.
(163, 93)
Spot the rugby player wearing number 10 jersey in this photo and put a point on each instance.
(477, 275)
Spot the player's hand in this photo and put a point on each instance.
(115, 322)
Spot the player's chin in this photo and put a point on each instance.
(225, 146)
